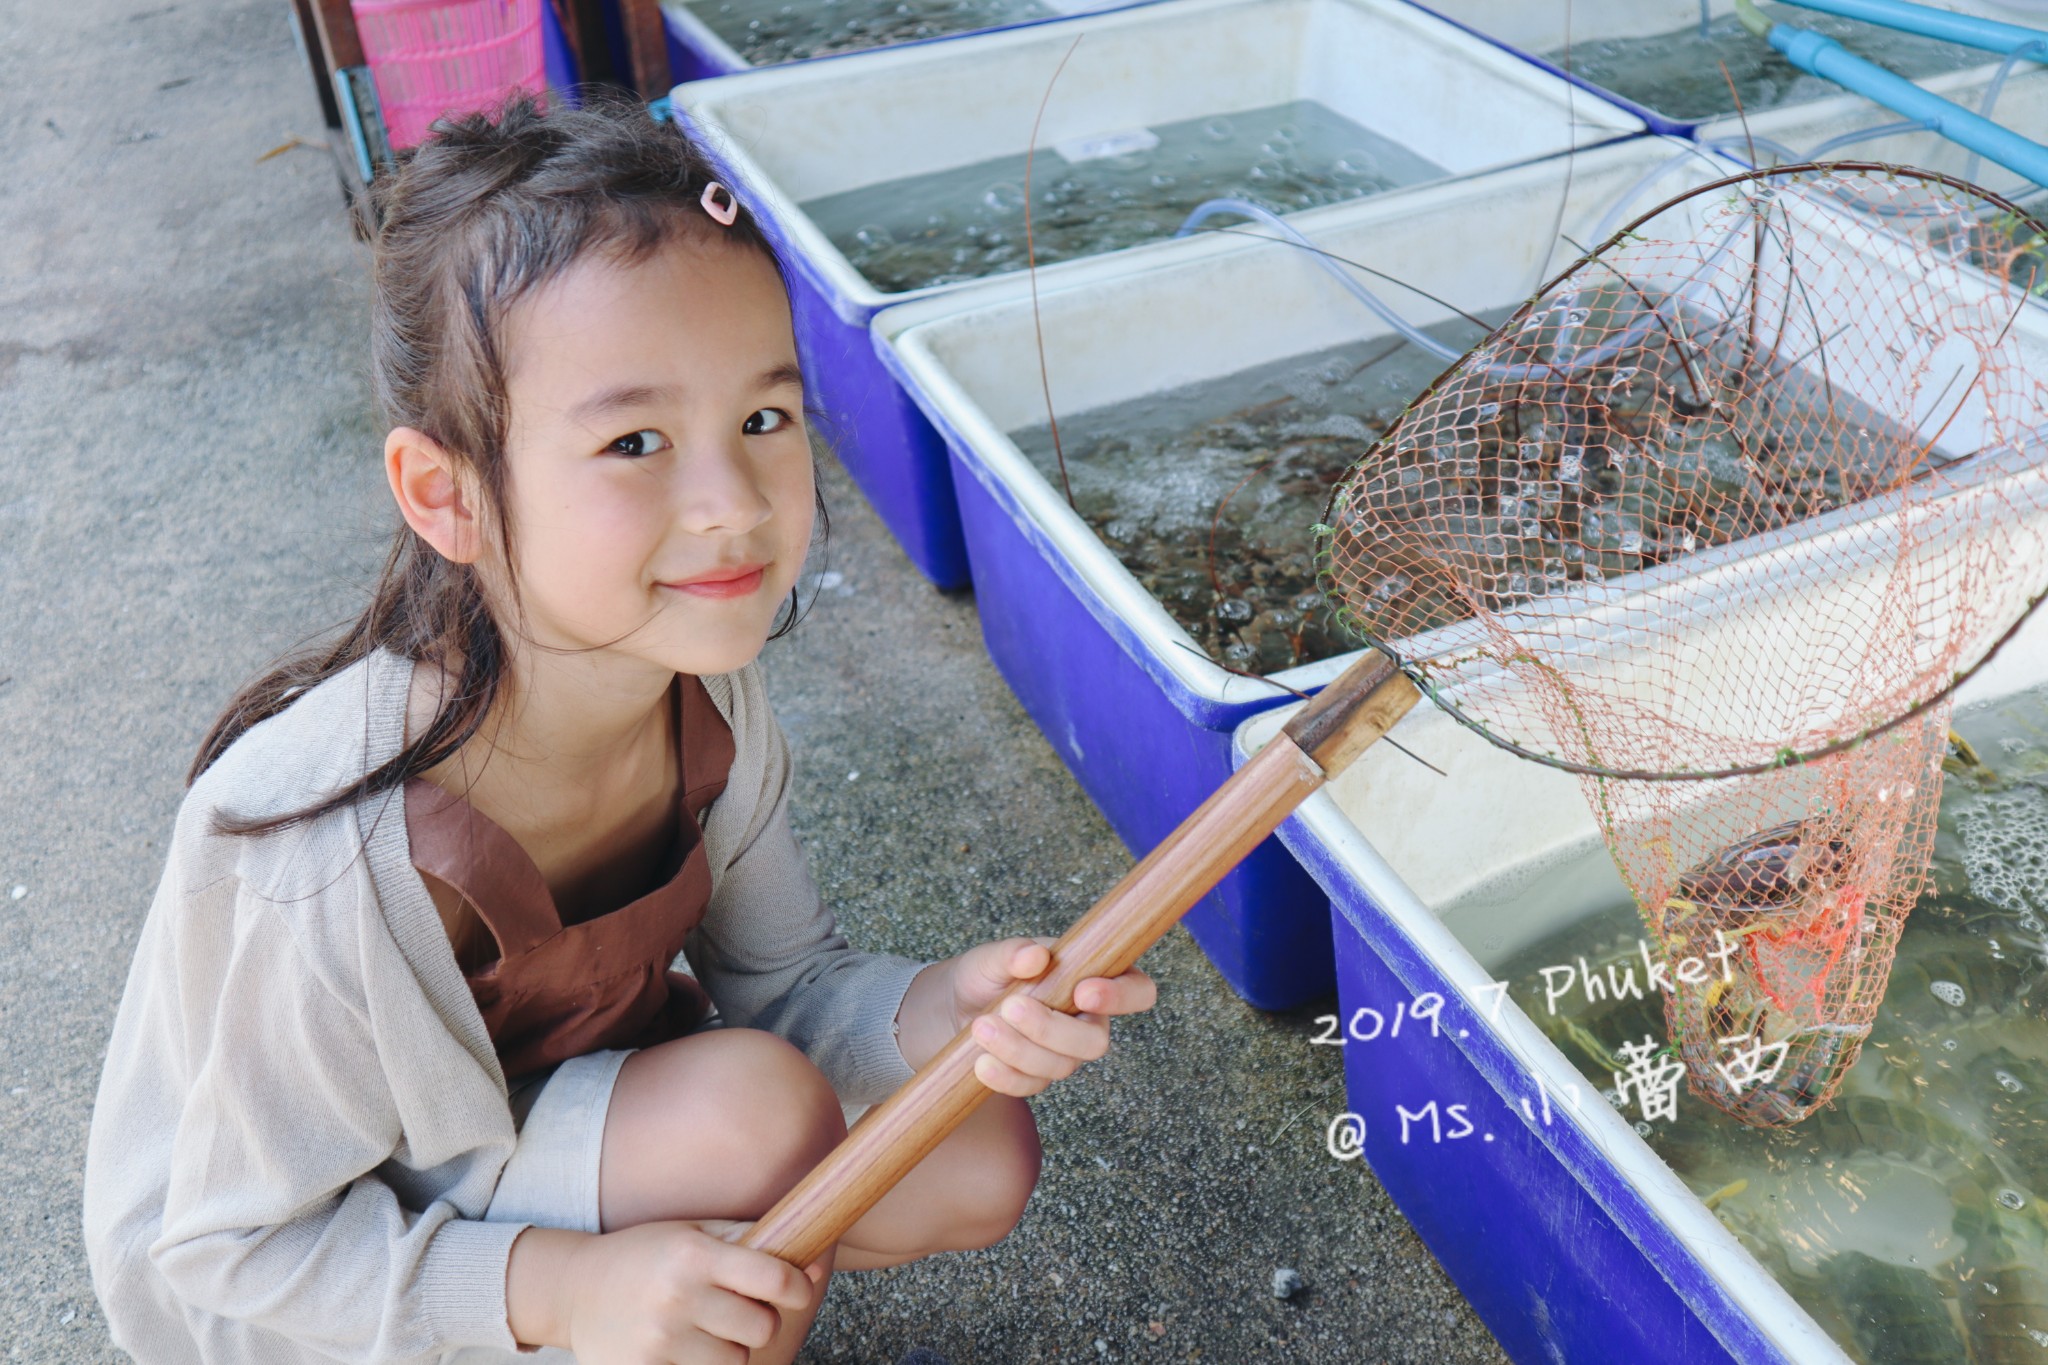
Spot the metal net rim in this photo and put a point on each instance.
(1416, 669)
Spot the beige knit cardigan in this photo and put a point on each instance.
(301, 1119)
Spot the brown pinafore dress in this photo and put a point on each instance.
(556, 990)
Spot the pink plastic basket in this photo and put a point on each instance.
(435, 57)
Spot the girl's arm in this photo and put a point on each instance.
(769, 950)
(771, 956)
(277, 1213)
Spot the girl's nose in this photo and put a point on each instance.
(719, 491)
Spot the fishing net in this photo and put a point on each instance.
(1716, 521)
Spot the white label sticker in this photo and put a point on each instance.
(1079, 149)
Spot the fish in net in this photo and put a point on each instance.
(1718, 521)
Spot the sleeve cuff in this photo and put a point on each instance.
(878, 1066)
(462, 1283)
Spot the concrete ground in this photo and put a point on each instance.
(189, 485)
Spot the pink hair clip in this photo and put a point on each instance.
(719, 203)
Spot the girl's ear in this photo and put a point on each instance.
(434, 492)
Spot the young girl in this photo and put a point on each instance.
(403, 1069)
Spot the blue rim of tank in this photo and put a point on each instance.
(719, 58)
(1676, 1234)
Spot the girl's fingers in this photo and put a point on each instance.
(1004, 1043)
(1005, 1079)
(1083, 1037)
(737, 1318)
(1131, 993)
(757, 1275)
(1029, 958)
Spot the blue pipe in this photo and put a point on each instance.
(1991, 35)
(1828, 59)
(2037, 51)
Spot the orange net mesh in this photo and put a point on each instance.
(1747, 485)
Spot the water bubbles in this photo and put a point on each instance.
(1948, 992)
(1219, 130)
(1643, 1129)
(1004, 197)
(2040, 1337)
(874, 237)
(1570, 463)
(2005, 850)
(2009, 1083)
(1576, 317)
(1161, 180)
(1949, 1045)
(1356, 167)
(2011, 1199)
(1234, 610)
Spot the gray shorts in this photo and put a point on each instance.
(551, 1180)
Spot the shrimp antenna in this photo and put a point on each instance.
(1052, 419)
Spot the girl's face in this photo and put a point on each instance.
(659, 481)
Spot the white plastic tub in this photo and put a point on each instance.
(1579, 1212)
(787, 135)
(2022, 105)
(1119, 688)
(1534, 27)
(698, 51)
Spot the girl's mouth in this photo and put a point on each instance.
(737, 580)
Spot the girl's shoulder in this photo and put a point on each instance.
(324, 740)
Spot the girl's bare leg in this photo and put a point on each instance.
(968, 1192)
(721, 1124)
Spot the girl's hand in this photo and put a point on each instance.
(655, 1294)
(1029, 1044)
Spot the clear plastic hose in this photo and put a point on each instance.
(1244, 208)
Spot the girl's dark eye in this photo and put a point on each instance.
(639, 443)
(765, 421)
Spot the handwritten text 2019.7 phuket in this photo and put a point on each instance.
(1619, 980)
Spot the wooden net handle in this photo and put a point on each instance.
(1349, 714)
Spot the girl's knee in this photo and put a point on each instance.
(996, 1202)
(717, 1125)
(779, 1110)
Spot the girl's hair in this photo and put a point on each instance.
(482, 213)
